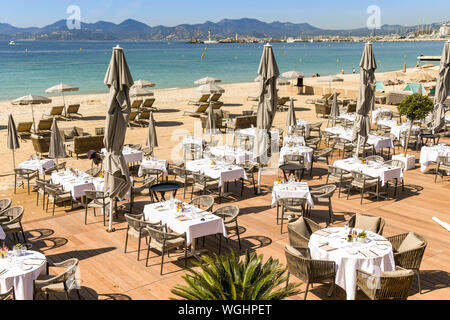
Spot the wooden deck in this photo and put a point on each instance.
(108, 273)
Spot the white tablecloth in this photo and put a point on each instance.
(194, 228)
(377, 113)
(37, 165)
(239, 154)
(218, 171)
(431, 154)
(275, 135)
(22, 277)
(295, 140)
(397, 130)
(307, 125)
(291, 190)
(77, 185)
(130, 155)
(339, 131)
(192, 140)
(373, 169)
(347, 262)
(306, 152)
(348, 116)
(153, 164)
(379, 142)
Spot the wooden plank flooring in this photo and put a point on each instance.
(108, 273)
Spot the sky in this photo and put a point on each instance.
(326, 14)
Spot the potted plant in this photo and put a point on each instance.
(230, 278)
(362, 237)
(415, 107)
(17, 249)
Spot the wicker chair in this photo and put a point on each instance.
(409, 255)
(343, 146)
(443, 166)
(363, 181)
(56, 168)
(158, 174)
(205, 184)
(11, 222)
(229, 215)
(96, 200)
(363, 150)
(204, 203)
(338, 175)
(296, 159)
(322, 197)
(22, 175)
(293, 206)
(62, 283)
(322, 155)
(315, 127)
(250, 169)
(137, 228)
(300, 230)
(57, 196)
(148, 151)
(301, 266)
(41, 186)
(4, 204)
(375, 158)
(313, 143)
(367, 222)
(94, 171)
(164, 241)
(393, 285)
(143, 190)
(400, 164)
(8, 295)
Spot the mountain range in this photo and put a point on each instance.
(227, 28)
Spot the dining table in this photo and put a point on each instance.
(291, 189)
(374, 254)
(37, 164)
(217, 170)
(429, 155)
(304, 151)
(21, 271)
(130, 155)
(240, 155)
(293, 140)
(398, 129)
(153, 163)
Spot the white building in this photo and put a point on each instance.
(444, 31)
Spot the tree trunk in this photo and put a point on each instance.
(407, 138)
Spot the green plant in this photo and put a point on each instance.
(18, 246)
(362, 235)
(229, 278)
(415, 107)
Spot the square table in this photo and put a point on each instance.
(74, 182)
(223, 172)
(239, 154)
(291, 190)
(153, 164)
(377, 112)
(39, 165)
(130, 155)
(431, 154)
(291, 141)
(306, 152)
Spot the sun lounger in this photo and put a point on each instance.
(281, 105)
(204, 98)
(54, 112)
(82, 145)
(73, 110)
(41, 144)
(215, 97)
(201, 109)
(143, 115)
(132, 119)
(253, 98)
(44, 125)
(24, 129)
(148, 104)
(136, 104)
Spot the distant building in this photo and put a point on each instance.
(444, 31)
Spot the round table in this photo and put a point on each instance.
(21, 272)
(350, 256)
(162, 188)
(292, 168)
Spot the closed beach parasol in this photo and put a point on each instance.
(143, 84)
(152, 140)
(13, 139)
(140, 92)
(366, 96)
(61, 88)
(210, 88)
(31, 100)
(210, 122)
(118, 79)
(442, 89)
(56, 149)
(207, 80)
(291, 119)
(334, 109)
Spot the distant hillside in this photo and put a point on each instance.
(134, 30)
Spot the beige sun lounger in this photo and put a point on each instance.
(201, 109)
(73, 109)
(215, 97)
(44, 125)
(132, 119)
(54, 112)
(136, 104)
(204, 98)
(148, 104)
(24, 129)
(143, 115)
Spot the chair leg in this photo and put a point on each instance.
(162, 262)
(418, 281)
(148, 252)
(239, 237)
(126, 240)
(85, 214)
(139, 246)
(306, 292)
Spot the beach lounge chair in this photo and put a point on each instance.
(242, 122)
(201, 109)
(143, 115)
(215, 97)
(44, 125)
(204, 98)
(54, 112)
(281, 105)
(136, 104)
(132, 119)
(396, 97)
(73, 110)
(148, 104)
(254, 97)
(24, 129)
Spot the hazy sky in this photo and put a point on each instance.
(330, 14)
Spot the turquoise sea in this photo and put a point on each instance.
(33, 66)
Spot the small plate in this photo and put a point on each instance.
(26, 267)
(352, 251)
(322, 241)
(383, 246)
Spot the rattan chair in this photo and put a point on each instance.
(22, 175)
(315, 127)
(411, 258)
(8, 295)
(443, 166)
(96, 200)
(62, 283)
(41, 186)
(229, 215)
(393, 285)
(301, 266)
(205, 184)
(137, 228)
(148, 151)
(400, 164)
(4, 204)
(11, 222)
(164, 241)
(322, 197)
(56, 168)
(250, 169)
(342, 145)
(367, 222)
(57, 196)
(94, 171)
(143, 190)
(363, 182)
(157, 173)
(296, 207)
(204, 203)
(338, 176)
(300, 230)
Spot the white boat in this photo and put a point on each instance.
(12, 43)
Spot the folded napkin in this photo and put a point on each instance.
(322, 233)
(162, 209)
(368, 253)
(382, 242)
(327, 248)
(183, 218)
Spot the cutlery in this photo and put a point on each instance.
(3, 272)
